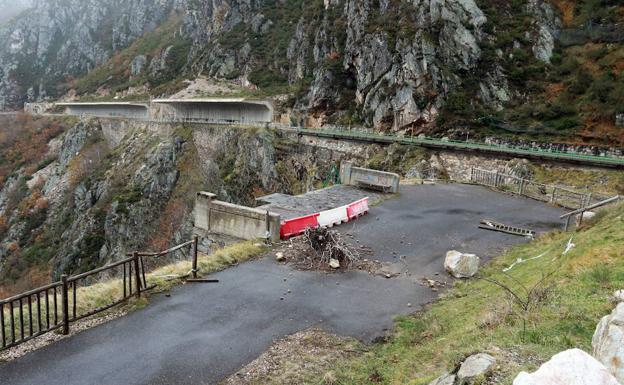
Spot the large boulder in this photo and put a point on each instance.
(572, 367)
(608, 342)
(461, 265)
(475, 367)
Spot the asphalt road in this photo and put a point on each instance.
(205, 332)
(427, 221)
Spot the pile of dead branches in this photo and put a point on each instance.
(328, 246)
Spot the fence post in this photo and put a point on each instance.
(65, 304)
(137, 273)
(554, 195)
(472, 171)
(522, 182)
(195, 243)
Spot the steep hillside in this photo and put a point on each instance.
(76, 195)
(56, 40)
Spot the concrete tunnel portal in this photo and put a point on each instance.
(179, 110)
(213, 110)
(108, 109)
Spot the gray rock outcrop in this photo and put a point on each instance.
(608, 342)
(445, 379)
(572, 367)
(58, 38)
(475, 367)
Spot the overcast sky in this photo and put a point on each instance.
(11, 8)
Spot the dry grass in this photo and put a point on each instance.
(566, 8)
(605, 182)
(108, 291)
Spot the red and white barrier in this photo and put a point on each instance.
(329, 218)
(294, 227)
(357, 209)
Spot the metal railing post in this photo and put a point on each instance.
(137, 273)
(554, 195)
(195, 244)
(65, 304)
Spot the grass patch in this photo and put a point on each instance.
(108, 291)
(477, 316)
(600, 181)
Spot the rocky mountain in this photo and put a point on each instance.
(55, 40)
(10, 9)
(413, 66)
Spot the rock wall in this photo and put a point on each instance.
(57, 39)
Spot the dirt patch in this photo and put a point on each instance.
(202, 87)
(297, 359)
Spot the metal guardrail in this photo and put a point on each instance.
(469, 146)
(55, 306)
(583, 210)
(552, 194)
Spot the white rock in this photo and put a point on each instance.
(334, 263)
(618, 296)
(572, 367)
(608, 342)
(475, 366)
(461, 265)
(445, 379)
(280, 256)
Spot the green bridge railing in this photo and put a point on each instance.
(471, 146)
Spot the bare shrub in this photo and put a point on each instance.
(328, 244)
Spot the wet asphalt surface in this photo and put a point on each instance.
(205, 332)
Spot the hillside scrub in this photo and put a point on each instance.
(477, 316)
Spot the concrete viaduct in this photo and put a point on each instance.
(249, 112)
(228, 111)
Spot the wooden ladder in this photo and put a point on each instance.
(496, 226)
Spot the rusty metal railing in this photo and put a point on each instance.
(43, 310)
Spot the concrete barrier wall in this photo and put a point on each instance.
(356, 176)
(213, 110)
(213, 216)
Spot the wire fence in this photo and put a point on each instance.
(552, 194)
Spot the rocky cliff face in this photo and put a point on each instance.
(104, 188)
(390, 64)
(55, 40)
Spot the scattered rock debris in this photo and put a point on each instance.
(291, 359)
(433, 284)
